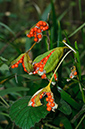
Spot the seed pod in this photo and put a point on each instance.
(28, 63)
(17, 59)
(54, 57)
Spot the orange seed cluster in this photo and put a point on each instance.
(33, 101)
(39, 67)
(36, 32)
(18, 62)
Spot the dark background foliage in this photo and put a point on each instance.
(64, 18)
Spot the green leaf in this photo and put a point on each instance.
(65, 96)
(4, 67)
(3, 59)
(79, 28)
(12, 90)
(66, 123)
(78, 65)
(2, 24)
(65, 108)
(26, 116)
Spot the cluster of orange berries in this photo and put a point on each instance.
(39, 67)
(18, 62)
(49, 99)
(36, 32)
(33, 101)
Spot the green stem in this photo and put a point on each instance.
(80, 122)
(81, 89)
(4, 114)
(4, 102)
(51, 126)
(59, 65)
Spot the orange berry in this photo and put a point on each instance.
(47, 99)
(41, 27)
(36, 39)
(51, 100)
(37, 24)
(17, 62)
(41, 96)
(16, 65)
(46, 28)
(32, 30)
(49, 108)
(75, 73)
(36, 64)
(48, 93)
(44, 23)
(50, 96)
(48, 105)
(71, 76)
(39, 36)
(41, 69)
(35, 29)
(32, 99)
(40, 22)
(33, 104)
(52, 104)
(39, 30)
(20, 60)
(46, 58)
(28, 35)
(13, 66)
(43, 76)
(25, 70)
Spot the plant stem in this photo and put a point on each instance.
(4, 114)
(51, 126)
(4, 102)
(80, 122)
(59, 65)
(81, 89)
(31, 47)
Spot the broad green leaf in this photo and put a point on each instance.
(65, 108)
(2, 24)
(65, 96)
(28, 63)
(66, 123)
(12, 90)
(26, 116)
(4, 67)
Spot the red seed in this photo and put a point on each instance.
(32, 30)
(16, 65)
(36, 39)
(40, 22)
(17, 62)
(75, 73)
(37, 24)
(52, 104)
(39, 36)
(47, 99)
(41, 96)
(48, 93)
(35, 29)
(43, 76)
(33, 104)
(48, 105)
(39, 31)
(49, 108)
(46, 27)
(51, 100)
(25, 70)
(41, 27)
(20, 60)
(13, 66)
(50, 96)
(41, 69)
(44, 23)
(28, 35)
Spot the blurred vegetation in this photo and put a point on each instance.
(66, 19)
